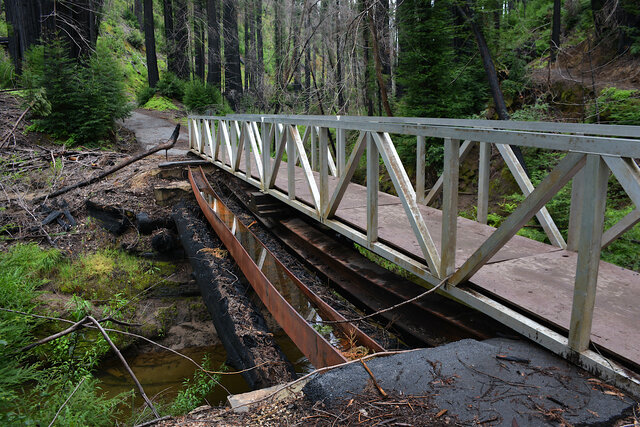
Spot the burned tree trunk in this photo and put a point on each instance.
(213, 32)
(75, 22)
(232, 74)
(150, 44)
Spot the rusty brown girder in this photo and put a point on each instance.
(313, 345)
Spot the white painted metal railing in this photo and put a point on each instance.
(265, 140)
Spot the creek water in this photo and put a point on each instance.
(162, 373)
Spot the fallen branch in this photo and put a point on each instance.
(97, 324)
(166, 146)
(13, 129)
(373, 378)
(66, 401)
(126, 365)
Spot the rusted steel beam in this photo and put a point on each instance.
(313, 345)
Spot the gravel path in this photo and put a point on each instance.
(151, 130)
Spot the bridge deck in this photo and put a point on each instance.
(534, 277)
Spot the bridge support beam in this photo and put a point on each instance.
(595, 176)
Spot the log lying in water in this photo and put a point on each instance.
(240, 326)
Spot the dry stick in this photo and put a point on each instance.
(66, 401)
(60, 334)
(375, 383)
(6, 138)
(160, 147)
(393, 307)
(126, 365)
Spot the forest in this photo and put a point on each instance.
(77, 68)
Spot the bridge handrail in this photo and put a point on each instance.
(613, 146)
(628, 131)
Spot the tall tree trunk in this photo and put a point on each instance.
(487, 62)
(169, 35)
(232, 74)
(295, 34)
(213, 31)
(307, 68)
(252, 47)
(150, 44)
(199, 38)
(339, 87)
(368, 103)
(555, 29)
(492, 76)
(247, 37)
(259, 53)
(278, 41)
(138, 12)
(181, 20)
(376, 57)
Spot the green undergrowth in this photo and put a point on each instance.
(34, 384)
(103, 274)
(159, 103)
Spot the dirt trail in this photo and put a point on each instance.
(153, 127)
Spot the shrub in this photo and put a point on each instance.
(135, 39)
(171, 86)
(616, 106)
(200, 98)
(7, 75)
(144, 95)
(86, 98)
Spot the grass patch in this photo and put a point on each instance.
(103, 274)
(160, 103)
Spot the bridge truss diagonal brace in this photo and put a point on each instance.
(345, 177)
(280, 149)
(211, 138)
(407, 195)
(253, 134)
(627, 173)
(306, 167)
(549, 186)
(523, 181)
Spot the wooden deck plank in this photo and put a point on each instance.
(542, 285)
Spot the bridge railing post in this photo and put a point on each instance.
(594, 186)
(450, 206)
(420, 167)
(341, 155)
(373, 186)
(324, 169)
(484, 171)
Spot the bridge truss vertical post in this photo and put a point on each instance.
(420, 166)
(595, 177)
(323, 136)
(341, 148)
(450, 206)
(291, 163)
(484, 170)
(373, 184)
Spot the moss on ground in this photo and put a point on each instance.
(160, 103)
(103, 274)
